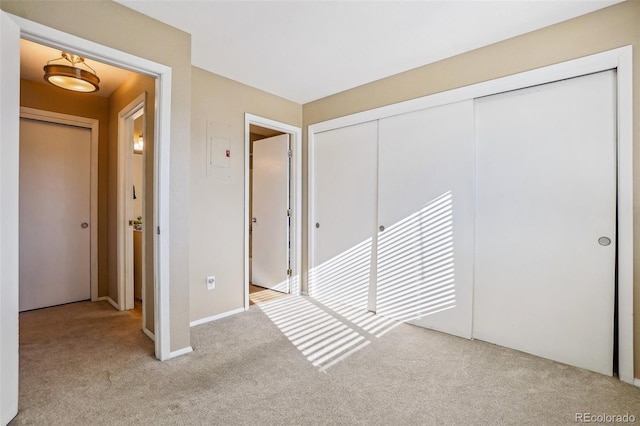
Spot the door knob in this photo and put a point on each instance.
(254, 220)
(604, 241)
(84, 225)
(381, 228)
(317, 225)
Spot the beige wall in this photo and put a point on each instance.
(217, 206)
(115, 26)
(126, 93)
(46, 97)
(606, 29)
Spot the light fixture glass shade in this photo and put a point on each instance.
(138, 145)
(71, 78)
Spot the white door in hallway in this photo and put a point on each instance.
(546, 220)
(270, 227)
(55, 191)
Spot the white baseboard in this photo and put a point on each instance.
(110, 300)
(179, 352)
(216, 317)
(636, 382)
(149, 334)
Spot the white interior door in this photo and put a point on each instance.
(344, 211)
(546, 205)
(270, 227)
(425, 204)
(55, 243)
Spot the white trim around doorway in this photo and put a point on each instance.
(93, 125)
(295, 138)
(39, 33)
(124, 240)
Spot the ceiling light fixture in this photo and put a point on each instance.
(71, 77)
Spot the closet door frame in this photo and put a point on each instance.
(619, 59)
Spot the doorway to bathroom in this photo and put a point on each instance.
(132, 207)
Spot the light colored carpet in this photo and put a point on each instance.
(87, 364)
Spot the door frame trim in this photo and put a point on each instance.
(620, 59)
(94, 126)
(42, 34)
(295, 178)
(124, 261)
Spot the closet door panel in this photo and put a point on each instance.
(546, 220)
(425, 204)
(344, 212)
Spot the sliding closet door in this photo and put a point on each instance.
(344, 208)
(546, 224)
(425, 218)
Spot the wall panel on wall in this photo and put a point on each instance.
(345, 192)
(425, 203)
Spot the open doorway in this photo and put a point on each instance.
(132, 209)
(139, 191)
(273, 198)
(270, 213)
(64, 131)
(13, 28)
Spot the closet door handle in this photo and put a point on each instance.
(381, 228)
(604, 241)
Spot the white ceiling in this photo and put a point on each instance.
(306, 50)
